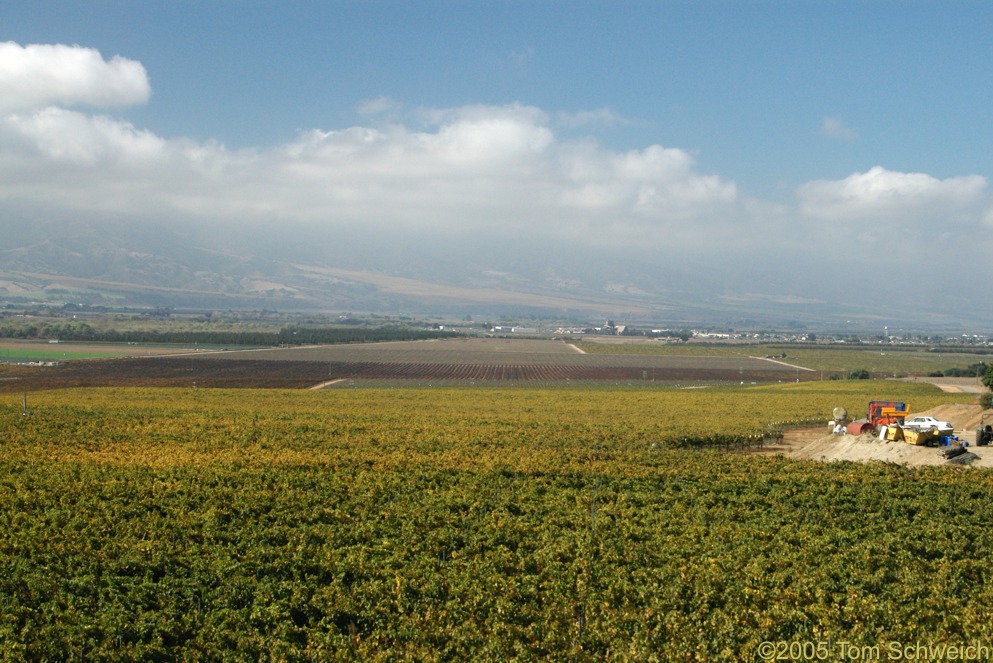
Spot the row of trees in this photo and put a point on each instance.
(292, 335)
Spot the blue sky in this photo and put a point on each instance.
(797, 121)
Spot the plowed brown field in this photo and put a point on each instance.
(454, 362)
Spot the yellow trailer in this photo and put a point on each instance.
(918, 437)
(893, 433)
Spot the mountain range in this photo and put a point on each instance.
(118, 264)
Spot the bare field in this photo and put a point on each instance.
(443, 362)
(505, 352)
(458, 361)
(474, 349)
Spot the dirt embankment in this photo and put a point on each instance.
(820, 444)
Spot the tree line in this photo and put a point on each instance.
(291, 335)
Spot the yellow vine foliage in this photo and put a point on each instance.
(524, 429)
(471, 524)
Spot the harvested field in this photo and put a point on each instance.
(455, 362)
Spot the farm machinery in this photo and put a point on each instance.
(890, 420)
(881, 413)
(885, 413)
(984, 434)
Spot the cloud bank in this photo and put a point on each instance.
(457, 173)
(454, 168)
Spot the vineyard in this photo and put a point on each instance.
(462, 524)
(531, 363)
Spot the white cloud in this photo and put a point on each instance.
(657, 184)
(833, 127)
(39, 75)
(499, 168)
(68, 137)
(884, 194)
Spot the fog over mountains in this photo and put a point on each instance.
(115, 263)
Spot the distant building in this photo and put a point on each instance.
(514, 330)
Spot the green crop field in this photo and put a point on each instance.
(14, 351)
(52, 355)
(461, 524)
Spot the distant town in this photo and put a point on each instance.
(45, 321)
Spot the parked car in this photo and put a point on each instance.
(928, 423)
